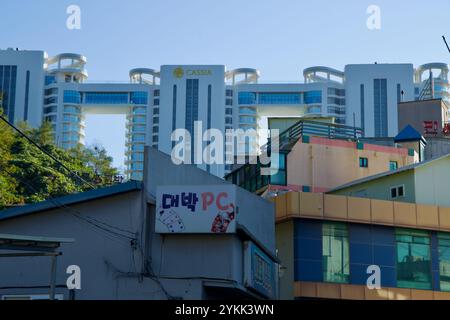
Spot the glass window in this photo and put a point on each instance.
(312, 97)
(246, 110)
(106, 97)
(335, 254)
(51, 91)
(280, 177)
(336, 92)
(50, 109)
(245, 119)
(50, 100)
(279, 98)
(444, 260)
(71, 96)
(72, 109)
(397, 191)
(413, 259)
(137, 147)
(139, 110)
(247, 97)
(363, 162)
(49, 80)
(393, 165)
(156, 93)
(139, 119)
(138, 138)
(156, 102)
(138, 97)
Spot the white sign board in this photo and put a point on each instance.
(196, 209)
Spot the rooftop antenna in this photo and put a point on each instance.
(446, 44)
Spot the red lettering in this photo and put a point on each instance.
(207, 199)
(219, 205)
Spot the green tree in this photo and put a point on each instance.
(28, 175)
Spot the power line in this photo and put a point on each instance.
(92, 221)
(44, 151)
(446, 44)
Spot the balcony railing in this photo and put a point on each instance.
(315, 128)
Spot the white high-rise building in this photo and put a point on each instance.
(35, 88)
(373, 92)
(21, 85)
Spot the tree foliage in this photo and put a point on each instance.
(28, 175)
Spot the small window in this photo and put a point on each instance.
(363, 162)
(400, 191)
(393, 165)
(397, 192)
(393, 193)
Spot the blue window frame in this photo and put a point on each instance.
(312, 97)
(139, 97)
(72, 96)
(106, 97)
(247, 97)
(279, 98)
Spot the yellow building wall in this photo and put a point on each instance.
(328, 164)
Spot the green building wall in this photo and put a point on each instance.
(381, 188)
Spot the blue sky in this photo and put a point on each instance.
(278, 37)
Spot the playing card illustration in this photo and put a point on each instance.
(171, 220)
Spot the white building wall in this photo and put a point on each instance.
(178, 75)
(32, 61)
(431, 183)
(357, 74)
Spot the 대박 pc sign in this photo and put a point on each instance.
(196, 209)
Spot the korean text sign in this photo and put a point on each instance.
(196, 209)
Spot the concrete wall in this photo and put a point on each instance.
(200, 256)
(415, 113)
(109, 264)
(436, 147)
(432, 183)
(324, 164)
(285, 247)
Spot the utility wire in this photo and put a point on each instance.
(44, 151)
(446, 44)
(94, 222)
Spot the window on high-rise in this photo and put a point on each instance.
(413, 259)
(335, 252)
(247, 97)
(380, 107)
(72, 96)
(139, 97)
(312, 96)
(8, 76)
